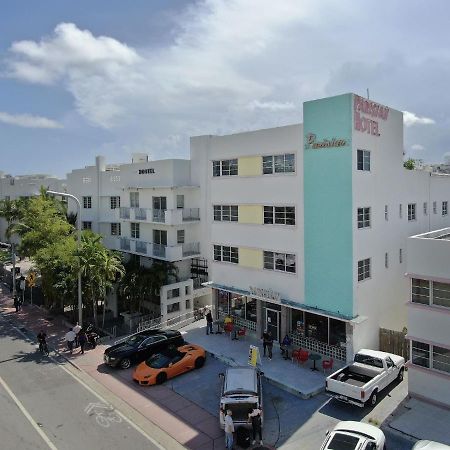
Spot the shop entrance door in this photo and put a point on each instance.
(273, 323)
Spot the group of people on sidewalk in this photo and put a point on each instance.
(76, 337)
(254, 418)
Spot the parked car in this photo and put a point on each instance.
(241, 391)
(350, 435)
(430, 445)
(169, 363)
(361, 382)
(140, 346)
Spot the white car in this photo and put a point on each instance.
(430, 445)
(351, 435)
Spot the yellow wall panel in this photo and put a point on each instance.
(251, 214)
(250, 166)
(250, 257)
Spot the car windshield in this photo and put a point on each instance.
(343, 442)
(158, 361)
(136, 339)
(369, 360)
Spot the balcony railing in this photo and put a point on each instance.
(159, 215)
(166, 216)
(191, 248)
(124, 212)
(141, 247)
(124, 243)
(191, 214)
(140, 214)
(159, 250)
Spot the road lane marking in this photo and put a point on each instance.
(87, 387)
(27, 415)
(104, 414)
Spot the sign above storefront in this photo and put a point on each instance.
(374, 110)
(146, 171)
(266, 294)
(312, 142)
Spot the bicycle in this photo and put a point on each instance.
(43, 348)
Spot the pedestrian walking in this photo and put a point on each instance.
(82, 340)
(285, 346)
(76, 329)
(229, 430)
(269, 343)
(70, 338)
(254, 417)
(16, 303)
(209, 322)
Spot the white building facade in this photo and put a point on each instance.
(305, 226)
(428, 270)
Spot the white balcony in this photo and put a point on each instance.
(165, 216)
(158, 251)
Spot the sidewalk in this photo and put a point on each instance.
(186, 422)
(297, 379)
(422, 420)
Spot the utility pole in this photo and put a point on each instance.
(13, 257)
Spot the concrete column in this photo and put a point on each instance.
(349, 342)
(284, 321)
(259, 319)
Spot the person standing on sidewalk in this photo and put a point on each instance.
(229, 430)
(254, 417)
(16, 303)
(76, 329)
(209, 322)
(70, 338)
(269, 342)
(81, 336)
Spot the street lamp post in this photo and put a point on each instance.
(80, 304)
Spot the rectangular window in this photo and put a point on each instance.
(386, 260)
(180, 236)
(363, 269)
(173, 293)
(282, 215)
(425, 208)
(134, 199)
(188, 303)
(186, 290)
(87, 202)
(400, 256)
(114, 202)
(441, 358)
(364, 217)
(444, 208)
(226, 254)
(441, 294)
(135, 230)
(420, 291)
(400, 211)
(115, 229)
(174, 307)
(434, 207)
(224, 168)
(160, 237)
(87, 225)
(279, 163)
(282, 262)
(411, 211)
(226, 213)
(363, 160)
(180, 201)
(420, 354)
(386, 214)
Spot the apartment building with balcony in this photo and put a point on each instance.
(305, 226)
(428, 271)
(148, 210)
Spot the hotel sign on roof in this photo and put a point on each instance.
(362, 108)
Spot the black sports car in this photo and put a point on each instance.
(140, 346)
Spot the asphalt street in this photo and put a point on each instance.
(43, 406)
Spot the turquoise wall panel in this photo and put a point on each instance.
(328, 204)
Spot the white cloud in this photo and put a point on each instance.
(410, 119)
(28, 121)
(417, 147)
(271, 106)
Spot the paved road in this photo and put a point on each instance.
(43, 406)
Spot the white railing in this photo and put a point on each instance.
(239, 321)
(191, 214)
(124, 212)
(124, 243)
(191, 248)
(316, 346)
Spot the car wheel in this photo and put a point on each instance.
(400, 375)
(161, 377)
(373, 399)
(125, 363)
(199, 362)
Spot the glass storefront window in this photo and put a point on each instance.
(316, 327)
(337, 333)
(298, 322)
(250, 310)
(237, 305)
(222, 301)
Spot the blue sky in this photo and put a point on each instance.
(83, 78)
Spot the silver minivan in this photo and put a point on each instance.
(241, 392)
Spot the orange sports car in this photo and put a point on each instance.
(169, 363)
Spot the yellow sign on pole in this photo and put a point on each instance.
(31, 279)
(253, 354)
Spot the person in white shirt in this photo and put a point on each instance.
(70, 338)
(254, 417)
(229, 430)
(76, 329)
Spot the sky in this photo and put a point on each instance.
(108, 77)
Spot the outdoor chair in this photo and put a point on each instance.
(303, 356)
(327, 364)
(294, 356)
(242, 332)
(228, 328)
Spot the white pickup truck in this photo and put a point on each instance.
(361, 382)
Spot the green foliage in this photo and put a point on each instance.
(409, 164)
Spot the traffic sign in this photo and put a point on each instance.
(31, 279)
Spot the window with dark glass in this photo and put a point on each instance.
(364, 217)
(420, 354)
(226, 213)
(444, 208)
(420, 291)
(441, 294)
(283, 262)
(363, 160)
(226, 254)
(363, 269)
(134, 199)
(87, 225)
(114, 202)
(160, 237)
(135, 230)
(411, 211)
(115, 229)
(216, 168)
(226, 167)
(282, 215)
(87, 202)
(180, 236)
(441, 358)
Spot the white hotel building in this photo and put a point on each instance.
(300, 229)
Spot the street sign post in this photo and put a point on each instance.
(31, 281)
